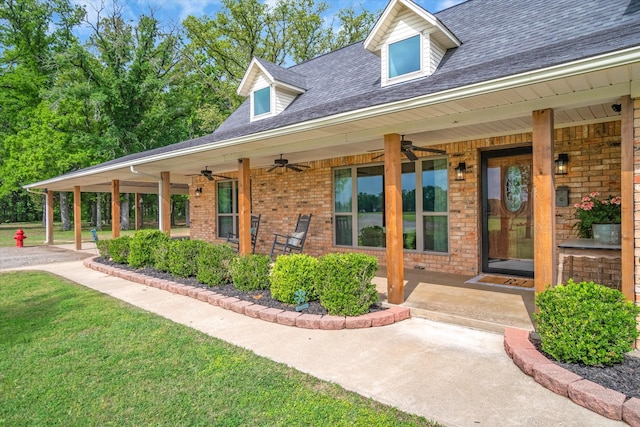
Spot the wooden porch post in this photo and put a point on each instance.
(77, 217)
(115, 209)
(244, 206)
(165, 203)
(628, 264)
(137, 212)
(544, 201)
(49, 219)
(393, 210)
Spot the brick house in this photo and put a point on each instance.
(432, 144)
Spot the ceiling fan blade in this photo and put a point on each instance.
(294, 167)
(298, 165)
(209, 177)
(378, 156)
(431, 150)
(272, 168)
(410, 155)
(222, 176)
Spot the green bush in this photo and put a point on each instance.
(250, 272)
(345, 286)
(118, 249)
(143, 245)
(586, 322)
(161, 256)
(213, 264)
(103, 248)
(293, 272)
(183, 255)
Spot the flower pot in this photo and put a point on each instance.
(608, 234)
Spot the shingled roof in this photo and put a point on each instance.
(499, 38)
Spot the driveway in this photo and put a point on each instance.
(13, 257)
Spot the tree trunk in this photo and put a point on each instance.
(44, 210)
(99, 211)
(125, 223)
(64, 211)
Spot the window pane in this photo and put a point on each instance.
(225, 226)
(370, 203)
(436, 230)
(262, 101)
(225, 197)
(344, 230)
(409, 205)
(435, 185)
(404, 56)
(342, 190)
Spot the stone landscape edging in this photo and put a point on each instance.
(606, 402)
(283, 317)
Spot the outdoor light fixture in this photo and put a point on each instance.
(461, 171)
(198, 192)
(562, 164)
(616, 107)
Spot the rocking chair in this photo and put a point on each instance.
(284, 244)
(234, 240)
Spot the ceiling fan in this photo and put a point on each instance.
(209, 174)
(407, 148)
(284, 163)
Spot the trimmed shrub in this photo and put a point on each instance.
(103, 248)
(250, 272)
(143, 245)
(586, 323)
(183, 255)
(345, 286)
(293, 272)
(119, 249)
(213, 264)
(161, 256)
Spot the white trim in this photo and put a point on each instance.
(242, 87)
(388, 81)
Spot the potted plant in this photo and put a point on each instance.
(599, 218)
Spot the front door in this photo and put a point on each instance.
(507, 214)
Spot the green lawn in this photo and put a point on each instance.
(74, 357)
(36, 233)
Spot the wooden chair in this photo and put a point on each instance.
(234, 240)
(284, 244)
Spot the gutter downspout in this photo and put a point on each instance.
(48, 225)
(159, 178)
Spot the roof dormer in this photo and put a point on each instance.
(271, 88)
(409, 41)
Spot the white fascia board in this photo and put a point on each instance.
(287, 86)
(597, 63)
(243, 88)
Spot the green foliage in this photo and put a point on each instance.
(143, 245)
(586, 323)
(183, 255)
(345, 287)
(118, 249)
(213, 264)
(103, 248)
(250, 272)
(291, 273)
(161, 255)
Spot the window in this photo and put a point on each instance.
(404, 57)
(262, 101)
(359, 206)
(227, 198)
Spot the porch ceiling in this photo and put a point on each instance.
(580, 99)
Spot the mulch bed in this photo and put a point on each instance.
(623, 377)
(262, 297)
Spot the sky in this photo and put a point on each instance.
(174, 11)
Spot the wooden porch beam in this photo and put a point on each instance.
(49, 218)
(244, 205)
(77, 217)
(165, 202)
(115, 209)
(544, 201)
(393, 211)
(137, 212)
(628, 264)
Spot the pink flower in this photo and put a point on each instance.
(594, 194)
(616, 200)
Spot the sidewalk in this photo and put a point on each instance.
(455, 375)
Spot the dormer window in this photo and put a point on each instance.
(262, 101)
(404, 57)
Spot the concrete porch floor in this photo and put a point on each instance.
(445, 297)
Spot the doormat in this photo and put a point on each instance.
(503, 280)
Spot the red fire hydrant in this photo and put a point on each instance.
(20, 238)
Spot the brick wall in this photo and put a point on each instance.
(594, 165)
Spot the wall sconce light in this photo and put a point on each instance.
(198, 192)
(562, 164)
(461, 171)
(616, 108)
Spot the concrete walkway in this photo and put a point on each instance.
(456, 375)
